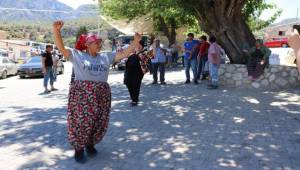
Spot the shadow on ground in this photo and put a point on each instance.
(175, 126)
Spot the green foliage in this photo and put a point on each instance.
(194, 28)
(177, 12)
(254, 9)
(166, 14)
(42, 32)
(81, 30)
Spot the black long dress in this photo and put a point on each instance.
(255, 68)
(133, 76)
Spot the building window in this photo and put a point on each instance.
(282, 33)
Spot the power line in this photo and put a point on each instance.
(48, 10)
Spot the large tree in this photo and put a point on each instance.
(167, 16)
(225, 19)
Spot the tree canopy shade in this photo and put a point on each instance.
(166, 15)
(225, 19)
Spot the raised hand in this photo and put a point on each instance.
(137, 39)
(57, 25)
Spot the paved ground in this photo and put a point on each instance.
(177, 126)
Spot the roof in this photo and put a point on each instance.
(18, 42)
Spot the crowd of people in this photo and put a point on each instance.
(89, 101)
(200, 56)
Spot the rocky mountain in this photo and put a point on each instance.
(84, 11)
(288, 21)
(42, 10)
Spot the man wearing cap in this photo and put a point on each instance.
(158, 62)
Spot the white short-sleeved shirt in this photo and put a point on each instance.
(159, 57)
(91, 68)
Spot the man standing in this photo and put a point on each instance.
(190, 57)
(214, 59)
(47, 68)
(158, 62)
(202, 57)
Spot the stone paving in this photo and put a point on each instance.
(176, 126)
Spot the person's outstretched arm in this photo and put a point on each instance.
(294, 43)
(125, 53)
(57, 25)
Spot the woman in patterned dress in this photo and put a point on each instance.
(90, 95)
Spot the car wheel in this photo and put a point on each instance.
(22, 76)
(4, 75)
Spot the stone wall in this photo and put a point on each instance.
(274, 77)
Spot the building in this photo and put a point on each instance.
(21, 50)
(18, 49)
(279, 30)
(3, 34)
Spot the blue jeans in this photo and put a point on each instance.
(188, 64)
(48, 75)
(213, 72)
(201, 65)
(54, 70)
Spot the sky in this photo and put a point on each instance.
(76, 3)
(289, 9)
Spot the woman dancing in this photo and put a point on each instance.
(90, 95)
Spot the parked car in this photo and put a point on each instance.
(3, 53)
(122, 64)
(33, 67)
(126, 39)
(7, 67)
(277, 42)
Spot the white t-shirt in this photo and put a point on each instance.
(91, 68)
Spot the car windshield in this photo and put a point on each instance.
(126, 39)
(4, 54)
(36, 59)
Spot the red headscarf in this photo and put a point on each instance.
(84, 39)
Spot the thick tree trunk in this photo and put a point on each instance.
(223, 19)
(170, 33)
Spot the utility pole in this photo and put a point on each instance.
(99, 18)
(297, 17)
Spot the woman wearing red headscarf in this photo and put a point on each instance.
(90, 95)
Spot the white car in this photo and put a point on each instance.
(7, 67)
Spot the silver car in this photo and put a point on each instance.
(7, 67)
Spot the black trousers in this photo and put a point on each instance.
(161, 68)
(134, 89)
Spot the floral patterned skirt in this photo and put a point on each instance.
(88, 112)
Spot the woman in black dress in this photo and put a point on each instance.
(258, 58)
(134, 74)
